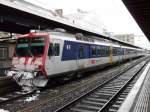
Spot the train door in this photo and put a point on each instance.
(125, 53)
(82, 56)
(119, 53)
(111, 54)
(53, 63)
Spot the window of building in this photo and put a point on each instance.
(3, 52)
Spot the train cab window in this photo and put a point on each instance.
(93, 49)
(81, 52)
(57, 49)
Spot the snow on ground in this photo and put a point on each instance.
(32, 98)
(2, 110)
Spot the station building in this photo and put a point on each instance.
(128, 38)
(7, 47)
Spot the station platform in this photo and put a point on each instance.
(138, 100)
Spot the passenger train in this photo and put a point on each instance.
(39, 56)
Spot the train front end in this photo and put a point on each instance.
(28, 64)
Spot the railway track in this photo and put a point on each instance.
(7, 85)
(9, 90)
(106, 97)
(14, 96)
(62, 100)
(5, 80)
(59, 99)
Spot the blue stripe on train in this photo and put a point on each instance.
(71, 51)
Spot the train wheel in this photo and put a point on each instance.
(79, 74)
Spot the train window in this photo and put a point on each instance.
(93, 49)
(104, 51)
(107, 51)
(57, 49)
(50, 51)
(121, 53)
(98, 51)
(54, 49)
(3, 52)
(118, 51)
(81, 52)
(114, 51)
(37, 46)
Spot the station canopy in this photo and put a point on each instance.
(140, 10)
(18, 19)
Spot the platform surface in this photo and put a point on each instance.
(138, 100)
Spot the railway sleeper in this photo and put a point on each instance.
(85, 107)
(123, 96)
(120, 98)
(124, 93)
(98, 100)
(104, 94)
(115, 106)
(100, 96)
(113, 87)
(112, 110)
(107, 92)
(119, 101)
(78, 110)
(113, 90)
(91, 103)
(116, 84)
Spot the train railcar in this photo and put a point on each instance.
(39, 56)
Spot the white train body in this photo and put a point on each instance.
(39, 56)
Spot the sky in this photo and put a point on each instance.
(112, 13)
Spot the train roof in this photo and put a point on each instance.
(110, 40)
(102, 40)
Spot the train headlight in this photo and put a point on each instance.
(35, 73)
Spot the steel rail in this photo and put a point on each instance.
(61, 108)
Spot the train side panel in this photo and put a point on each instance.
(75, 55)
